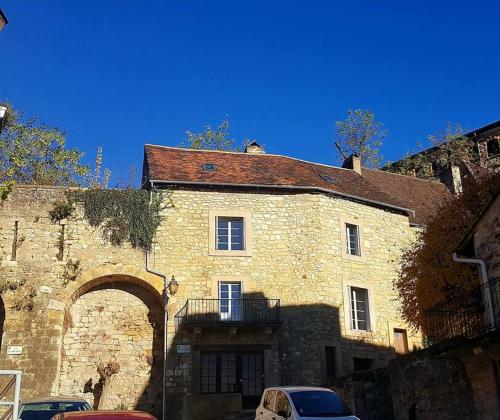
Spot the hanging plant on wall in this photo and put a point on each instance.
(5, 190)
(122, 215)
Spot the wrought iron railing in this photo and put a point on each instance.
(229, 311)
(470, 314)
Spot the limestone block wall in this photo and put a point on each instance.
(120, 323)
(487, 238)
(296, 257)
(43, 286)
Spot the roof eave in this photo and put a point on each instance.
(286, 187)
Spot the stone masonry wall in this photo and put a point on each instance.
(44, 285)
(487, 238)
(427, 388)
(296, 257)
(113, 324)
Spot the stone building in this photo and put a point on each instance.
(458, 376)
(484, 144)
(285, 272)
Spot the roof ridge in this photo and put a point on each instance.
(250, 154)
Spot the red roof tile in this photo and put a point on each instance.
(177, 166)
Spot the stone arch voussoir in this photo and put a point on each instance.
(109, 274)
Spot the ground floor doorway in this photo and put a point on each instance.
(233, 372)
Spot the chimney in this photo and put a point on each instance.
(254, 148)
(352, 162)
(452, 179)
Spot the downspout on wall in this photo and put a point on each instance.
(165, 316)
(490, 316)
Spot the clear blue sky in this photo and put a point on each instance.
(123, 73)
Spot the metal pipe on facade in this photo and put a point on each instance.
(165, 317)
(484, 282)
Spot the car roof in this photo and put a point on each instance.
(107, 415)
(56, 398)
(299, 388)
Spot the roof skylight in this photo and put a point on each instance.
(209, 167)
(327, 178)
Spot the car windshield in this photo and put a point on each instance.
(319, 404)
(45, 410)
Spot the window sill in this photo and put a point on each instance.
(360, 333)
(224, 253)
(355, 258)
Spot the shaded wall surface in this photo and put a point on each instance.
(455, 379)
(368, 394)
(487, 239)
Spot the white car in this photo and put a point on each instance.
(302, 403)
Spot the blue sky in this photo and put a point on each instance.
(123, 73)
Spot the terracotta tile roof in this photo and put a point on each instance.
(184, 166)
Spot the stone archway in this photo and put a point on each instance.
(119, 318)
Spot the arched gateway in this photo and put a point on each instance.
(113, 314)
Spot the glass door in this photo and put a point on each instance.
(252, 375)
(230, 301)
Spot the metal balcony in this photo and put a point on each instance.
(470, 314)
(229, 313)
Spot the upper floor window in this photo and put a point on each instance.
(493, 147)
(230, 234)
(352, 239)
(360, 314)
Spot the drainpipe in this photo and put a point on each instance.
(490, 318)
(165, 317)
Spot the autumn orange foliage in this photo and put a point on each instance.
(428, 274)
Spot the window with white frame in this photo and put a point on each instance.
(230, 301)
(360, 312)
(352, 239)
(230, 233)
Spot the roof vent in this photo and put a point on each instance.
(209, 167)
(327, 178)
(254, 147)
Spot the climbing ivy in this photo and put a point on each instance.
(123, 215)
(5, 190)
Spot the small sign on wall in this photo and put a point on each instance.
(183, 348)
(14, 350)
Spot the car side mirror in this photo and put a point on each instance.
(282, 413)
